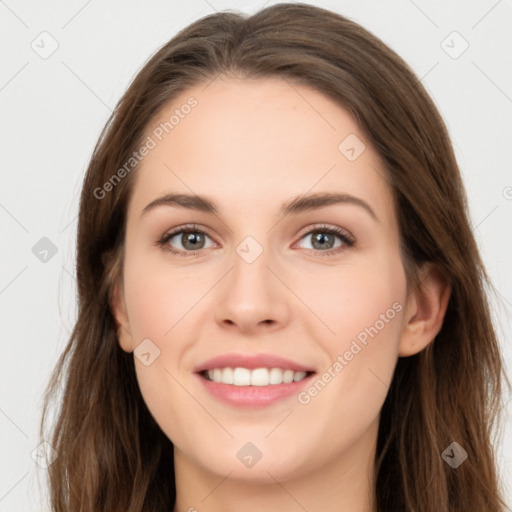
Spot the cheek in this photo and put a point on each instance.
(363, 306)
(360, 301)
(159, 298)
(162, 305)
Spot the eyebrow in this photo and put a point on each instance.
(296, 205)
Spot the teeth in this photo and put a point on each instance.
(256, 377)
(288, 376)
(275, 376)
(226, 376)
(259, 377)
(241, 377)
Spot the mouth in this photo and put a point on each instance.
(252, 381)
(240, 376)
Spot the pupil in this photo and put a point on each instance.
(192, 238)
(321, 237)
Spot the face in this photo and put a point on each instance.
(265, 286)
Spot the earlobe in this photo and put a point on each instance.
(425, 310)
(118, 307)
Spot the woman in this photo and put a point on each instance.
(218, 362)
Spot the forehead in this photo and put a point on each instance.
(256, 143)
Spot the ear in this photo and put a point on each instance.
(425, 310)
(118, 306)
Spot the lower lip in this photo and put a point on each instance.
(253, 396)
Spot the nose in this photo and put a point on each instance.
(252, 298)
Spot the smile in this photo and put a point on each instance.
(257, 377)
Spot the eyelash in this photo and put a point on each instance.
(348, 240)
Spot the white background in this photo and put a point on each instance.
(52, 111)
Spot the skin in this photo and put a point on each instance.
(251, 145)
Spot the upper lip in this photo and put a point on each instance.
(251, 361)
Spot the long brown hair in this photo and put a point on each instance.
(112, 455)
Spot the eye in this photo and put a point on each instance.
(323, 239)
(192, 240)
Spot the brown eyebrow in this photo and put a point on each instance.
(297, 205)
